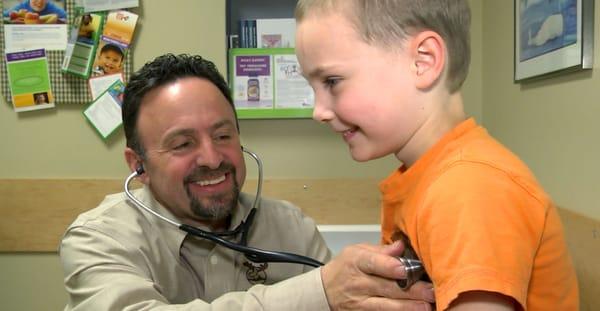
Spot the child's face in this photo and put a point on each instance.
(363, 92)
(110, 61)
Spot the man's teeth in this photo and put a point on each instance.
(211, 182)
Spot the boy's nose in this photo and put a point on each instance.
(321, 112)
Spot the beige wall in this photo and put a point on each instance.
(551, 124)
(38, 144)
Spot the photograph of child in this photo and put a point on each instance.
(41, 98)
(34, 12)
(109, 59)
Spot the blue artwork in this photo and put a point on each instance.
(545, 26)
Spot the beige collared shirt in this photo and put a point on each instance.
(118, 257)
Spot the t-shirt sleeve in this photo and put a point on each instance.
(478, 229)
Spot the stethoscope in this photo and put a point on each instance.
(254, 254)
(414, 268)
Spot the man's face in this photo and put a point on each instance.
(194, 162)
(38, 5)
(110, 61)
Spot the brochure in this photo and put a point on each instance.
(100, 84)
(104, 113)
(27, 27)
(252, 82)
(105, 5)
(83, 42)
(114, 43)
(29, 80)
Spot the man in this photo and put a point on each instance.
(182, 133)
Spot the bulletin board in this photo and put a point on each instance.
(67, 88)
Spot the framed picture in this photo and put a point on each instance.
(552, 36)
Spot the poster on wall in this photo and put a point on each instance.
(268, 84)
(253, 82)
(32, 25)
(29, 80)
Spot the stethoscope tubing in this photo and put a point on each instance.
(252, 253)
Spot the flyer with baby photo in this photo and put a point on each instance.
(29, 80)
(114, 43)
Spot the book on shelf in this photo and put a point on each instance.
(267, 33)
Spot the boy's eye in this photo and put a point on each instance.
(331, 81)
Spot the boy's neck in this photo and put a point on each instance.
(444, 117)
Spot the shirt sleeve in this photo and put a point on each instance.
(479, 229)
(100, 274)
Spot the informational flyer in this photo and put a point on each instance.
(32, 25)
(29, 80)
(106, 5)
(105, 112)
(291, 89)
(83, 40)
(114, 42)
(253, 82)
(100, 84)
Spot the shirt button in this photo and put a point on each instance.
(214, 260)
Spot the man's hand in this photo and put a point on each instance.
(363, 277)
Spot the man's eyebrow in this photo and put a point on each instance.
(190, 131)
(178, 132)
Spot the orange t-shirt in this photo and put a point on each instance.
(478, 220)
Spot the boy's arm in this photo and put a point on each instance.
(482, 300)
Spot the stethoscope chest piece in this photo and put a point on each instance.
(414, 271)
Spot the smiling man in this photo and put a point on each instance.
(183, 137)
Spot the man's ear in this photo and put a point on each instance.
(428, 53)
(135, 163)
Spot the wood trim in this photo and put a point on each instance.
(35, 212)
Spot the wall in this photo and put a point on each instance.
(551, 124)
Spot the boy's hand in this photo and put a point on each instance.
(363, 277)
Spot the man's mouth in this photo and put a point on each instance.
(212, 181)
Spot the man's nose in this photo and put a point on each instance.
(210, 156)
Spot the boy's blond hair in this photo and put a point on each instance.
(387, 23)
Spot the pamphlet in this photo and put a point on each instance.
(253, 83)
(83, 41)
(29, 80)
(104, 113)
(27, 27)
(291, 88)
(100, 84)
(106, 5)
(114, 43)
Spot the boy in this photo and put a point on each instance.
(109, 60)
(387, 77)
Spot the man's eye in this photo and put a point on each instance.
(182, 145)
(223, 137)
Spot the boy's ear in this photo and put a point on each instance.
(134, 161)
(429, 58)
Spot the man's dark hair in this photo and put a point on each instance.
(111, 47)
(163, 70)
